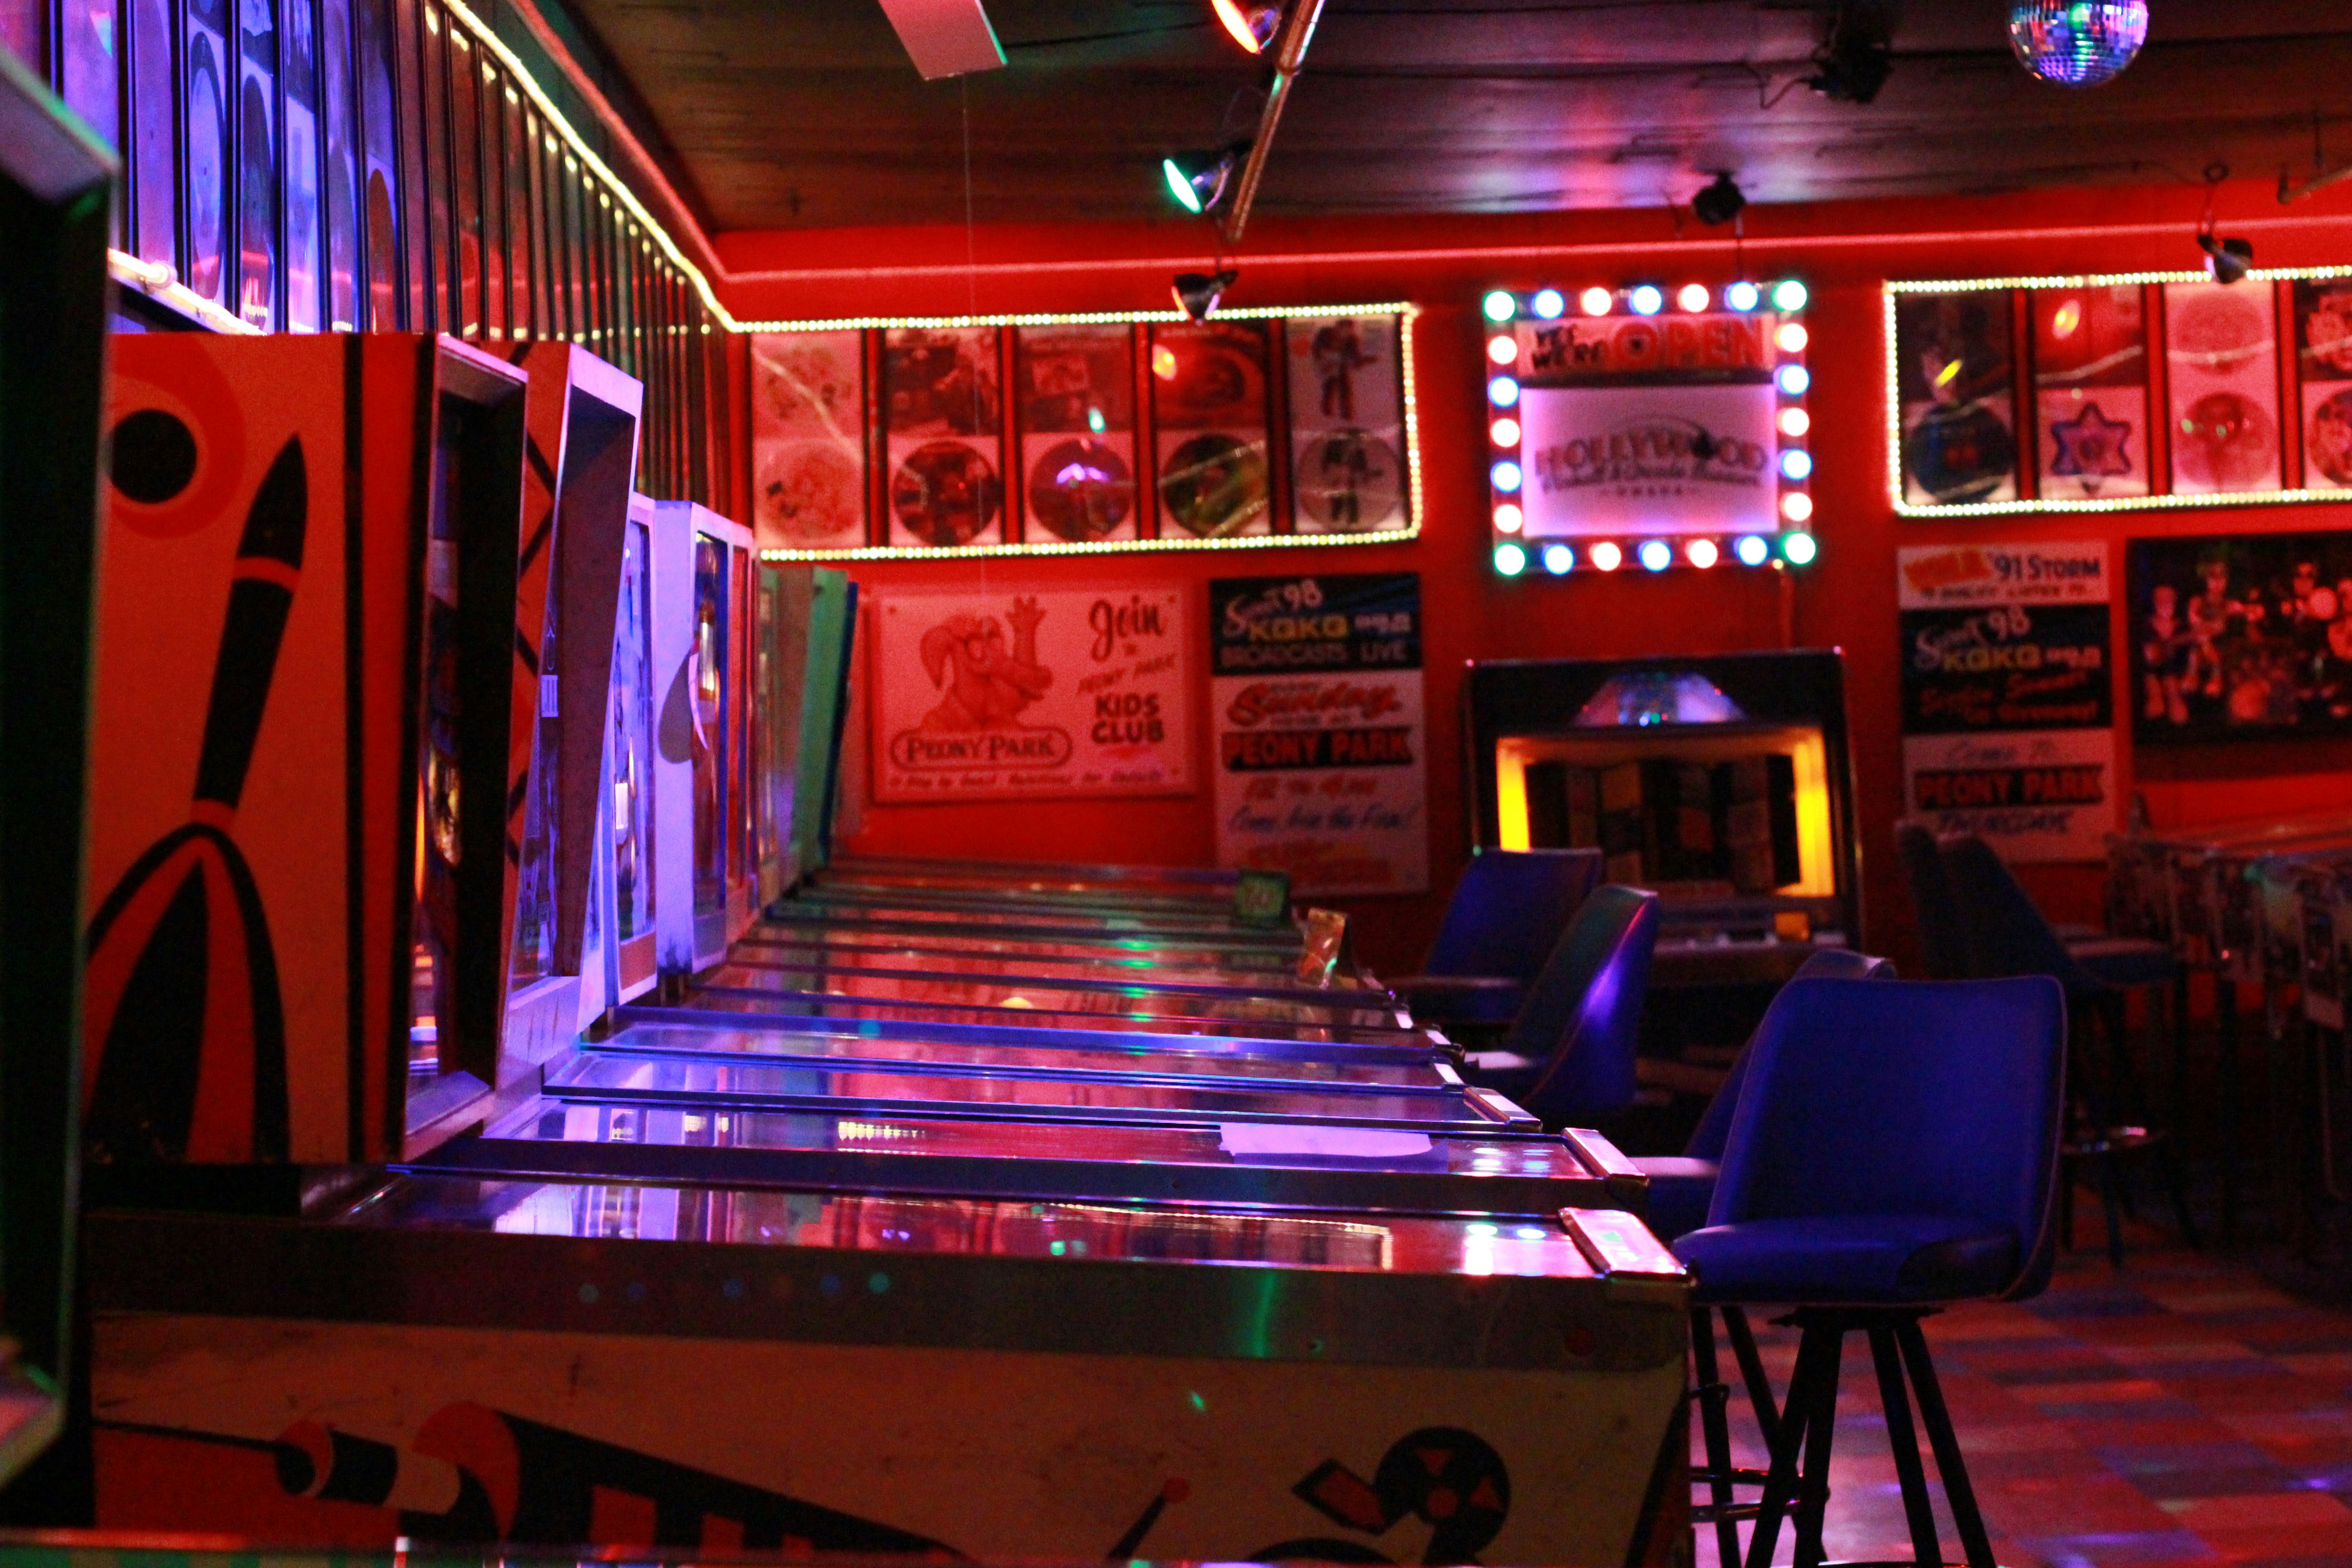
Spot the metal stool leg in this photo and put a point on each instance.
(1780, 1480)
(1975, 1545)
(1814, 1492)
(1900, 1435)
(1714, 1396)
(1736, 1328)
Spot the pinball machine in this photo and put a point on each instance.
(54, 200)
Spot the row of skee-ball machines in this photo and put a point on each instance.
(506, 1120)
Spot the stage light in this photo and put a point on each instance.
(1250, 23)
(1508, 518)
(1511, 560)
(1789, 295)
(1197, 293)
(1596, 301)
(1850, 69)
(1500, 307)
(1506, 475)
(2077, 43)
(1548, 304)
(1557, 559)
(1741, 295)
(1606, 556)
(1656, 554)
(1502, 351)
(1797, 507)
(1720, 201)
(2226, 260)
(1503, 391)
(1647, 299)
(1505, 432)
(1198, 180)
(1700, 552)
(1795, 422)
(1796, 463)
(1791, 337)
(1798, 549)
(1694, 297)
(1751, 550)
(1793, 380)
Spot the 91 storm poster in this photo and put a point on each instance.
(1315, 704)
(1013, 695)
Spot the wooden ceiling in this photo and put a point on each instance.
(806, 113)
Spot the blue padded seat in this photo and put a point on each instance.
(1506, 914)
(1874, 1259)
(1568, 1056)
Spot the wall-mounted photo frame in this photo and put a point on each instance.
(2184, 374)
(2238, 636)
(1110, 431)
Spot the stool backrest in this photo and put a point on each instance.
(1508, 910)
(1583, 1014)
(1714, 1128)
(1936, 1098)
(1943, 934)
(2006, 934)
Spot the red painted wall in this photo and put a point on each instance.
(1846, 599)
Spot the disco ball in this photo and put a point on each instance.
(2081, 43)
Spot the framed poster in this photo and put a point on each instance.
(1346, 423)
(2241, 635)
(2323, 364)
(2222, 370)
(943, 418)
(1210, 407)
(1003, 694)
(1315, 703)
(1076, 403)
(2090, 391)
(808, 439)
(1953, 383)
(2008, 695)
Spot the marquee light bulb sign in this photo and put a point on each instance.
(1648, 429)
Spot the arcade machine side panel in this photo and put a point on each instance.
(742, 815)
(620, 952)
(225, 952)
(825, 695)
(782, 672)
(582, 460)
(451, 714)
(676, 732)
(1352, 1422)
(55, 184)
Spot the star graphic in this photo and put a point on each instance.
(2091, 446)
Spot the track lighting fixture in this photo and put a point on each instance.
(1198, 180)
(1720, 201)
(2226, 260)
(1252, 23)
(1197, 293)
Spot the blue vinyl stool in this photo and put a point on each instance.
(1568, 1056)
(1505, 916)
(1895, 1150)
(2007, 935)
(1681, 1189)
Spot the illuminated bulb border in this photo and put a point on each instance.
(1406, 314)
(1892, 290)
(1726, 552)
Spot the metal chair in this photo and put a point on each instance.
(1893, 1151)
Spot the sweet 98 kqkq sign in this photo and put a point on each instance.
(2008, 704)
(1007, 694)
(1316, 706)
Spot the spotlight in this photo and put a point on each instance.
(1252, 23)
(1197, 293)
(1198, 180)
(1849, 69)
(2226, 260)
(1720, 201)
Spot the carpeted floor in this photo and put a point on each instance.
(2182, 1411)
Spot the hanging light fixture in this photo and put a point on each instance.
(2077, 43)
(1197, 293)
(2226, 260)
(1252, 23)
(1720, 201)
(1198, 180)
